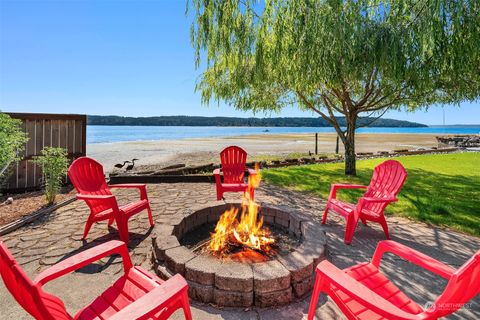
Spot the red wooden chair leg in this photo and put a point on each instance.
(324, 219)
(88, 225)
(383, 222)
(364, 221)
(110, 221)
(219, 194)
(350, 228)
(315, 295)
(186, 306)
(122, 225)
(150, 217)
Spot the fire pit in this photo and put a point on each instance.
(250, 270)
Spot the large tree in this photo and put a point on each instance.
(349, 58)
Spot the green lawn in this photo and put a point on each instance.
(442, 189)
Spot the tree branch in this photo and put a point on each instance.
(376, 118)
(332, 119)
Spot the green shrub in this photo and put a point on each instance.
(12, 143)
(54, 163)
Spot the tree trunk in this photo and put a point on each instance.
(349, 144)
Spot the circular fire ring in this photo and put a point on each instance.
(236, 284)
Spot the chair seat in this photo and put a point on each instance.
(371, 277)
(234, 186)
(134, 207)
(128, 209)
(129, 288)
(345, 208)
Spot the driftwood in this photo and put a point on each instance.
(185, 170)
(365, 154)
(174, 166)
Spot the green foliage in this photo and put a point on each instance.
(238, 122)
(337, 57)
(12, 143)
(442, 189)
(260, 56)
(54, 163)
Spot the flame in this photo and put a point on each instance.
(247, 233)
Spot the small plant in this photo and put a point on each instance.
(12, 143)
(54, 163)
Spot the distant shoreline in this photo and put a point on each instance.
(196, 121)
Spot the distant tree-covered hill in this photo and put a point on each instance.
(240, 122)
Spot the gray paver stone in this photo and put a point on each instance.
(176, 258)
(313, 250)
(270, 276)
(162, 244)
(303, 287)
(225, 298)
(200, 292)
(234, 276)
(163, 272)
(202, 269)
(275, 298)
(300, 266)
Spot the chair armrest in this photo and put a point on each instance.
(140, 186)
(348, 186)
(336, 186)
(154, 301)
(251, 171)
(379, 200)
(129, 185)
(94, 196)
(217, 171)
(361, 293)
(85, 258)
(107, 198)
(413, 256)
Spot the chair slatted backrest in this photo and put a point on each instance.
(35, 301)
(463, 286)
(388, 178)
(88, 178)
(233, 161)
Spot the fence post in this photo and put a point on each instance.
(316, 142)
(336, 146)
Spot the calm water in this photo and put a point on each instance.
(102, 134)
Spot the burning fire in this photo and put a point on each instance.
(248, 233)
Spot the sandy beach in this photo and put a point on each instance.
(204, 150)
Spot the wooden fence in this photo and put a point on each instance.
(46, 130)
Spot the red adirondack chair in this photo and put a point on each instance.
(388, 178)
(363, 292)
(88, 179)
(233, 160)
(137, 294)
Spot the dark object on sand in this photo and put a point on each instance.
(130, 166)
(120, 166)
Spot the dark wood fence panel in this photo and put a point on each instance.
(67, 131)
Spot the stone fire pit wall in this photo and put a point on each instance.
(235, 284)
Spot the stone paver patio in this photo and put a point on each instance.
(57, 236)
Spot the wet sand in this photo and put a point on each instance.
(197, 151)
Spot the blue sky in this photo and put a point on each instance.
(130, 58)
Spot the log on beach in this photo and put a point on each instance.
(185, 170)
